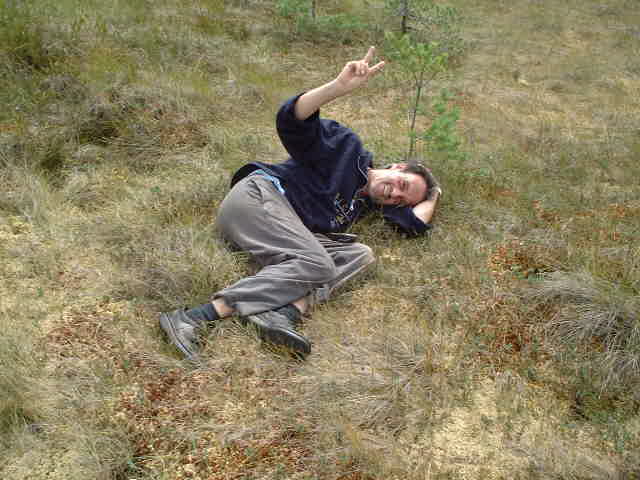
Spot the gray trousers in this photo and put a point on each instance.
(294, 262)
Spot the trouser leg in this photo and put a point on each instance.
(349, 259)
(259, 220)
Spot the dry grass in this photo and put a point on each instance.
(503, 346)
(585, 311)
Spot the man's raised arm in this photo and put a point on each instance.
(353, 75)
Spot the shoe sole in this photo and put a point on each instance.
(278, 336)
(172, 335)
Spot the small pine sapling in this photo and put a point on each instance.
(421, 62)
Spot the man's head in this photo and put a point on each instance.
(401, 184)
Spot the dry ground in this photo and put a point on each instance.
(502, 346)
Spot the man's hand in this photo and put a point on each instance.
(356, 73)
(353, 75)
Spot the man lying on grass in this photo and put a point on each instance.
(290, 216)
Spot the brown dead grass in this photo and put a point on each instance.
(429, 367)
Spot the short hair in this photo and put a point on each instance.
(415, 166)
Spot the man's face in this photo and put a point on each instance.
(393, 186)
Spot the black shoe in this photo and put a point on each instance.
(182, 331)
(279, 328)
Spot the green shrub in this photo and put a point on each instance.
(302, 22)
(428, 22)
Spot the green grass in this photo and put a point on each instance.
(504, 345)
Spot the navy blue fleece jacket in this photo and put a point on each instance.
(326, 173)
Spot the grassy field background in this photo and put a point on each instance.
(504, 345)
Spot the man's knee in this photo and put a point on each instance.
(321, 268)
(355, 260)
(366, 256)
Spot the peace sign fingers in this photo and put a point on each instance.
(367, 58)
(356, 73)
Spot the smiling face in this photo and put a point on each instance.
(394, 186)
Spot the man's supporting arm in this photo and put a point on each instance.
(353, 75)
(425, 209)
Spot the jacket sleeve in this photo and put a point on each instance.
(405, 220)
(299, 137)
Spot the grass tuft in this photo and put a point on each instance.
(23, 36)
(598, 317)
